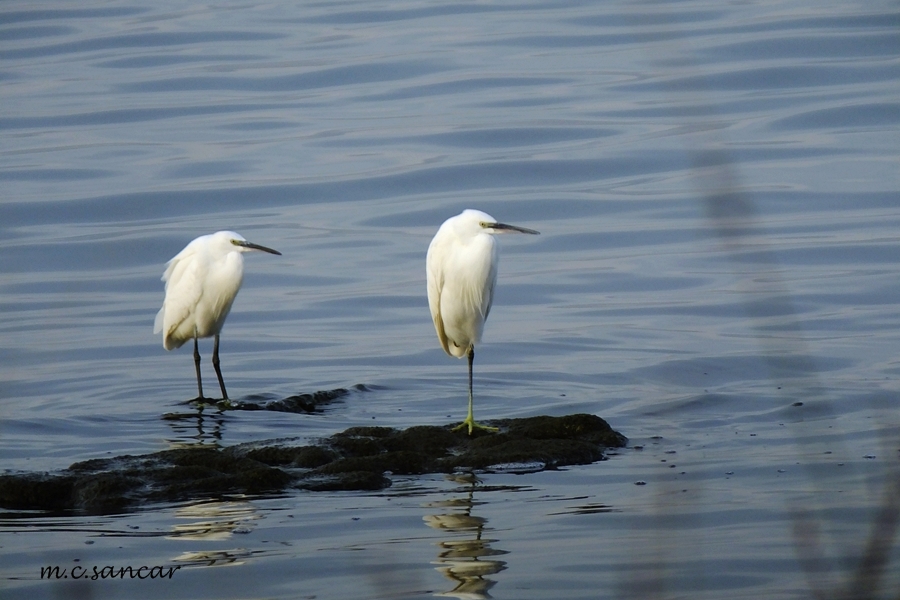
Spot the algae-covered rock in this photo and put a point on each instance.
(299, 403)
(356, 459)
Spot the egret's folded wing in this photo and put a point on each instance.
(435, 281)
(488, 298)
(184, 286)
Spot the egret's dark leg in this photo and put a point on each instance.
(470, 419)
(197, 366)
(216, 365)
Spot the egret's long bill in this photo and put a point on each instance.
(504, 228)
(252, 246)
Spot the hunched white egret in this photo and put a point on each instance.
(461, 268)
(201, 283)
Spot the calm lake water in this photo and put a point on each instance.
(716, 186)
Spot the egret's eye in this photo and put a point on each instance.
(484, 224)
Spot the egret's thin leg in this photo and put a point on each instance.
(197, 366)
(470, 419)
(218, 370)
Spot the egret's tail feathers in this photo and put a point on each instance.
(158, 323)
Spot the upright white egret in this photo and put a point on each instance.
(461, 269)
(201, 283)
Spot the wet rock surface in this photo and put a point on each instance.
(360, 458)
(298, 403)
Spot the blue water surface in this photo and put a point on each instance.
(716, 187)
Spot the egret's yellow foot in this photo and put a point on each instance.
(472, 425)
(199, 402)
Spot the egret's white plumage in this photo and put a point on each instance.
(461, 269)
(201, 283)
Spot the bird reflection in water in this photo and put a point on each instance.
(196, 428)
(214, 522)
(467, 558)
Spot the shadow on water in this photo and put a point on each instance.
(733, 217)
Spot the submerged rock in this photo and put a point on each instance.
(298, 403)
(360, 458)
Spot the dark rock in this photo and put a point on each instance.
(36, 491)
(355, 459)
(299, 403)
(350, 481)
(304, 457)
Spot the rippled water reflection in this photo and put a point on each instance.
(716, 187)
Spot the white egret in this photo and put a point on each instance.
(461, 268)
(201, 283)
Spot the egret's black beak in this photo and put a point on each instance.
(253, 246)
(503, 227)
